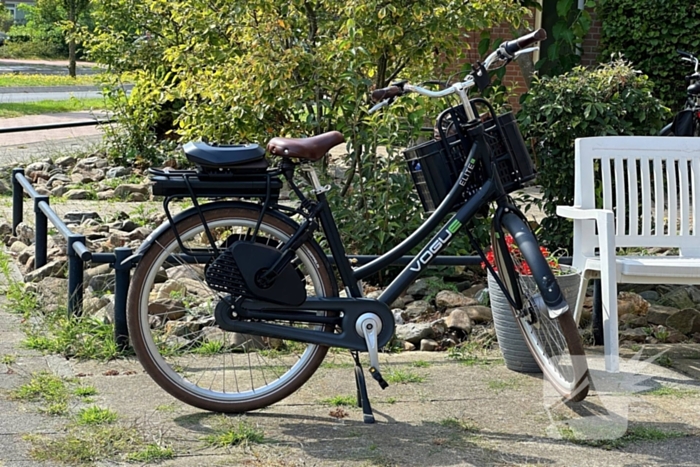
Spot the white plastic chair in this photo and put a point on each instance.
(634, 191)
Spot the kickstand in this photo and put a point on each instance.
(362, 397)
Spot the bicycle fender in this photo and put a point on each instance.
(541, 272)
(193, 211)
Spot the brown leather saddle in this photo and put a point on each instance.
(311, 149)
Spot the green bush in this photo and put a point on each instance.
(648, 32)
(31, 49)
(614, 99)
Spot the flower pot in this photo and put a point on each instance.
(515, 351)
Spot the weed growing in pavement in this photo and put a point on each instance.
(234, 432)
(338, 401)
(462, 424)
(95, 416)
(47, 388)
(85, 391)
(633, 434)
(671, 392)
(151, 453)
(399, 376)
(9, 359)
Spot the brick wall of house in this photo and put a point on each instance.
(591, 43)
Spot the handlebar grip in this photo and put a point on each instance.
(386, 93)
(525, 41)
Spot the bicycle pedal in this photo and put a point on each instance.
(378, 377)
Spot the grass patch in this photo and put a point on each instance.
(463, 424)
(210, 348)
(338, 401)
(391, 400)
(633, 434)
(166, 408)
(85, 391)
(18, 109)
(8, 81)
(82, 446)
(502, 384)
(235, 433)
(403, 377)
(151, 453)
(672, 392)
(337, 365)
(420, 364)
(95, 416)
(74, 337)
(47, 388)
(9, 359)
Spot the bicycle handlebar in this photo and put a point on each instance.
(525, 41)
(386, 93)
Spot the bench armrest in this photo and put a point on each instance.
(577, 213)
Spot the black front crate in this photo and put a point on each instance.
(436, 165)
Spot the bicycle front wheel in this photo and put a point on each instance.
(554, 343)
(171, 316)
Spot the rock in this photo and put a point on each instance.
(123, 191)
(52, 269)
(52, 293)
(375, 295)
(106, 313)
(187, 271)
(31, 169)
(24, 256)
(439, 327)
(195, 287)
(80, 177)
(167, 308)
(479, 314)
(92, 304)
(245, 341)
(399, 303)
(180, 328)
(18, 247)
(693, 293)
(124, 225)
(137, 197)
(634, 321)
(115, 172)
(92, 163)
(398, 319)
(407, 346)
(59, 191)
(139, 234)
(428, 345)
(25, 233)
(649, 295)
(171, 289)
(686, 321)
(43, 191)
(421, 287)
(5, 229)
(418, 308)
(630, 302)
(634, 335)
(58, 179)
(449, 299)
(78, 194)
(214, 334)
(102, 282)
(677, 298)
(459, 319)
(414, 332)
(105, 195)
(473, 290)
(81, 216)
(659, 314)
(65, 162)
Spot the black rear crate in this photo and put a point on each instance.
(435, 165)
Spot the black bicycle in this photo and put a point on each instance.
(234, 304)
(685, 122)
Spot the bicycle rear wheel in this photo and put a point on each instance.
(171, 316)
(554, 343)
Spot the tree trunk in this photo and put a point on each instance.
(72, 17)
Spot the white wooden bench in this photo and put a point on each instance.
(641, 192)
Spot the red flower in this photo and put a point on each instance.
(520, 264)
